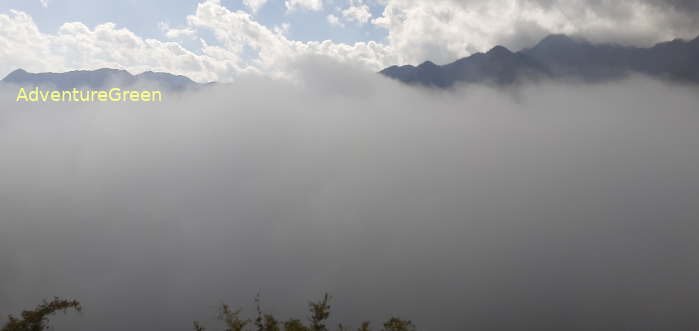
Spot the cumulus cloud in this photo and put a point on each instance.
(313, 5)
(359, 14)
(176, 33)
(22, 44)
(236, 30)
(550, 207)
(180, 33)
(254, 5)
(77, 46)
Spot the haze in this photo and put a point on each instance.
(538, 207)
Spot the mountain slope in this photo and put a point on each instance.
(99, 79)
(559, 56)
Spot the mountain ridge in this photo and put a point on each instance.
(556, 56)
(100, 78)
(559, 56)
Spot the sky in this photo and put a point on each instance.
(220, 40)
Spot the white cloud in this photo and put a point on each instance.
(359, 14)
(254, 5)
(180, 33)
(312, 5)
(23, 45)
(334, 20)
(77, 46)
(275, 53)
(283, 29)
(44, 3)
(175, 33)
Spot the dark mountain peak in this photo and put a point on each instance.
(19, 71)
(397, 69)
(499, 51)
(558, 41)
(17, 74)
(391, 68)
(431, 72)
(405, 73)
(427, 65)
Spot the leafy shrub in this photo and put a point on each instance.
(320, 312)
(37, 319)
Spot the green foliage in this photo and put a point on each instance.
(37, 319)
(396, 324)
(232, 319)
(265, 322)
(320, 312)
(294, 325)
(271, 323)
(258, 321)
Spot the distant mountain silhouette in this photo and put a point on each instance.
(100, 79)
(562, 57)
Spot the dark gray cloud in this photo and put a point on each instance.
(545, 208)
(689, 6)
(446, 30)
(682, 5)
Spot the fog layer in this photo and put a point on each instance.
(542, 207)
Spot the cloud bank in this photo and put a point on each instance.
(76, 46)
(545, 207)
